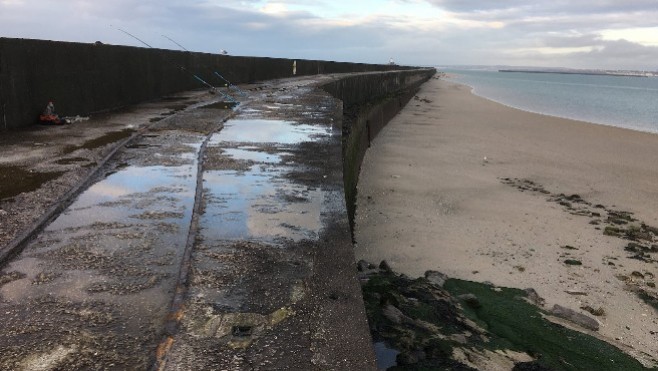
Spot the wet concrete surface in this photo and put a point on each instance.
(95, 285)
(270, 282)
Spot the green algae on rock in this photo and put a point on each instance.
(436, 327)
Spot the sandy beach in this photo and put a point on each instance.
(484, 192)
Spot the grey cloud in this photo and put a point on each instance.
(547, 7)
(572, 41)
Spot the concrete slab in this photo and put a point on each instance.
(266, 279)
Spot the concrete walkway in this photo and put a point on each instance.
(199, 243)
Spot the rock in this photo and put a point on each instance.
(394, 315)
(436, 278)
(534, 297)
(530, 366)
(471, 300)
(385, 267)
(459, 338)
(575, 317)
(362, 265)
(405, 358)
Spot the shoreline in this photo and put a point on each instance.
(444, 187)
(452, 78)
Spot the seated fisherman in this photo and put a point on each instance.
(50, 117)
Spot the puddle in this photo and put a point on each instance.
(270, 131)
(385, 356)
(243, 153)
(221, 105)
(108, 138)
(122, 235)
(259, 203)
(15, 180)
(122, 195)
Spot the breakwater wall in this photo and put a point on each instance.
(370, 101)
(84, 79)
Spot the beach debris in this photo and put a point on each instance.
(637, 274)
(576, 292)
(10, 277)
(573, 262)
(597, 312)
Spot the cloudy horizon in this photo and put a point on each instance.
(603, 34)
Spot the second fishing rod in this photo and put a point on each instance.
(213, 89)
(226, 81)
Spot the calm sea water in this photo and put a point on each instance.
(628, 102)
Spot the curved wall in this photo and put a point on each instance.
(370, 101)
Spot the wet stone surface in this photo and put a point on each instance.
(92, 290)
(258, 229)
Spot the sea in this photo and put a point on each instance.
(623, 101)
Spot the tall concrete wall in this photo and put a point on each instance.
(88, 78)
(370, 101)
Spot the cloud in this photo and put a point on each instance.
(410, 31)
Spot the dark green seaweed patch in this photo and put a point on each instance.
(519, 325)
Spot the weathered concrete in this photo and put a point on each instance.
(370, 101)
(89, 78)
(305, 313)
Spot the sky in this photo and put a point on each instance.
(607, 34)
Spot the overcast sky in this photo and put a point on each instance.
(615, 34)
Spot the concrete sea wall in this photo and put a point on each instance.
(88, 78)
(370, 101)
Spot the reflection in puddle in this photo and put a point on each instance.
(269, 131)
(252, 204)
(121, 236)
(253, 155)
(386, 357)
(260, 203)
(115, 198)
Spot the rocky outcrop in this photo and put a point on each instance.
(436, 322)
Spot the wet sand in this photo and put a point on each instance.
(432, 195)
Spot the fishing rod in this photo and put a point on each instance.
(133, 36)
(170, 39)
(228, 83)
(214, 89)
